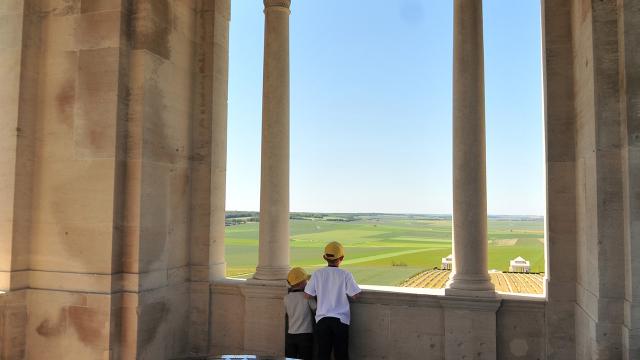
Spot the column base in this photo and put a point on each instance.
(264, 316)
(476, 285)
(470, 328)
(271, 273)
(217, 271)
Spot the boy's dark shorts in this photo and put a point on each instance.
(299, 346)
(332, 334)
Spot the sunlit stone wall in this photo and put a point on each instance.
(104, 176)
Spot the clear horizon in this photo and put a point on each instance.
(379, 213)
(371, 107)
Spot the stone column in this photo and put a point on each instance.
(469, 276)
(628, 37)
(273, 262)
(219, 76)
(470, 305)
(263, 311)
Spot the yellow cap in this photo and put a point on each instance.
(297, 275)
(333, 250)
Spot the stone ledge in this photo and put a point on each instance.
(383, 295)
(96, 283)
(390, 295)
(227, 286)
(271, 289)
(473, 304)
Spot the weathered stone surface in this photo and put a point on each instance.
(520, 330)
(112, 194)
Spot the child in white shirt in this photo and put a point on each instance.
(333, 287)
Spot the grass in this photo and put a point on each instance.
(385, 249)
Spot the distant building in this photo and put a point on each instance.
(519, 265)
(447, 262)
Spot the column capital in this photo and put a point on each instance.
(277, 3)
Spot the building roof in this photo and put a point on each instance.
(519, 261)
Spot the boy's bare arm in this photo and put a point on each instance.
(307, 296)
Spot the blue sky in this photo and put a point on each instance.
(371, 106)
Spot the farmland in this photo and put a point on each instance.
(383, 249)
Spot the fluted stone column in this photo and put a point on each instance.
(469, 276)
(273, 262)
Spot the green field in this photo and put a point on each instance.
(385, 249)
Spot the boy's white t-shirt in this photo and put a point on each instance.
(331, 285)
(299, 312)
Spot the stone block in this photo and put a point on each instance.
(264, 317)
(72, 247)
(58, 33)
(131, 249)
(54, 135)
(470, 328)
(521, 330)
(183, 50)
(154, 220)
(162, 322)
(98, 29)
(65, 325)
(75, 192)
(127, 307)
(227, 326)
(12, 7)
(369, 333)
(10, 31)
(97, 98)
(199, 318)
(183, 18)
(10, 89)
(89, 6)
(13, 324)
(151, 27)
(166, 102)
(200, 213)
(416, 333)
(6, 240)
(560, 329)
(178, 216)
(60, 8)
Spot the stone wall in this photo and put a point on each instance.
(628, 38)
(560, 179)
(105, 175)
(599, 201)
(391, 324)
(112, 184)
(13, 324)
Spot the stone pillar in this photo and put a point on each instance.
(208, 165)
(628, 37)
(219, 74)
(264, 317)
(18, 75)
(95, 178)
(273, 262)
(560, 172)
(469, 276)
(470, 306)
